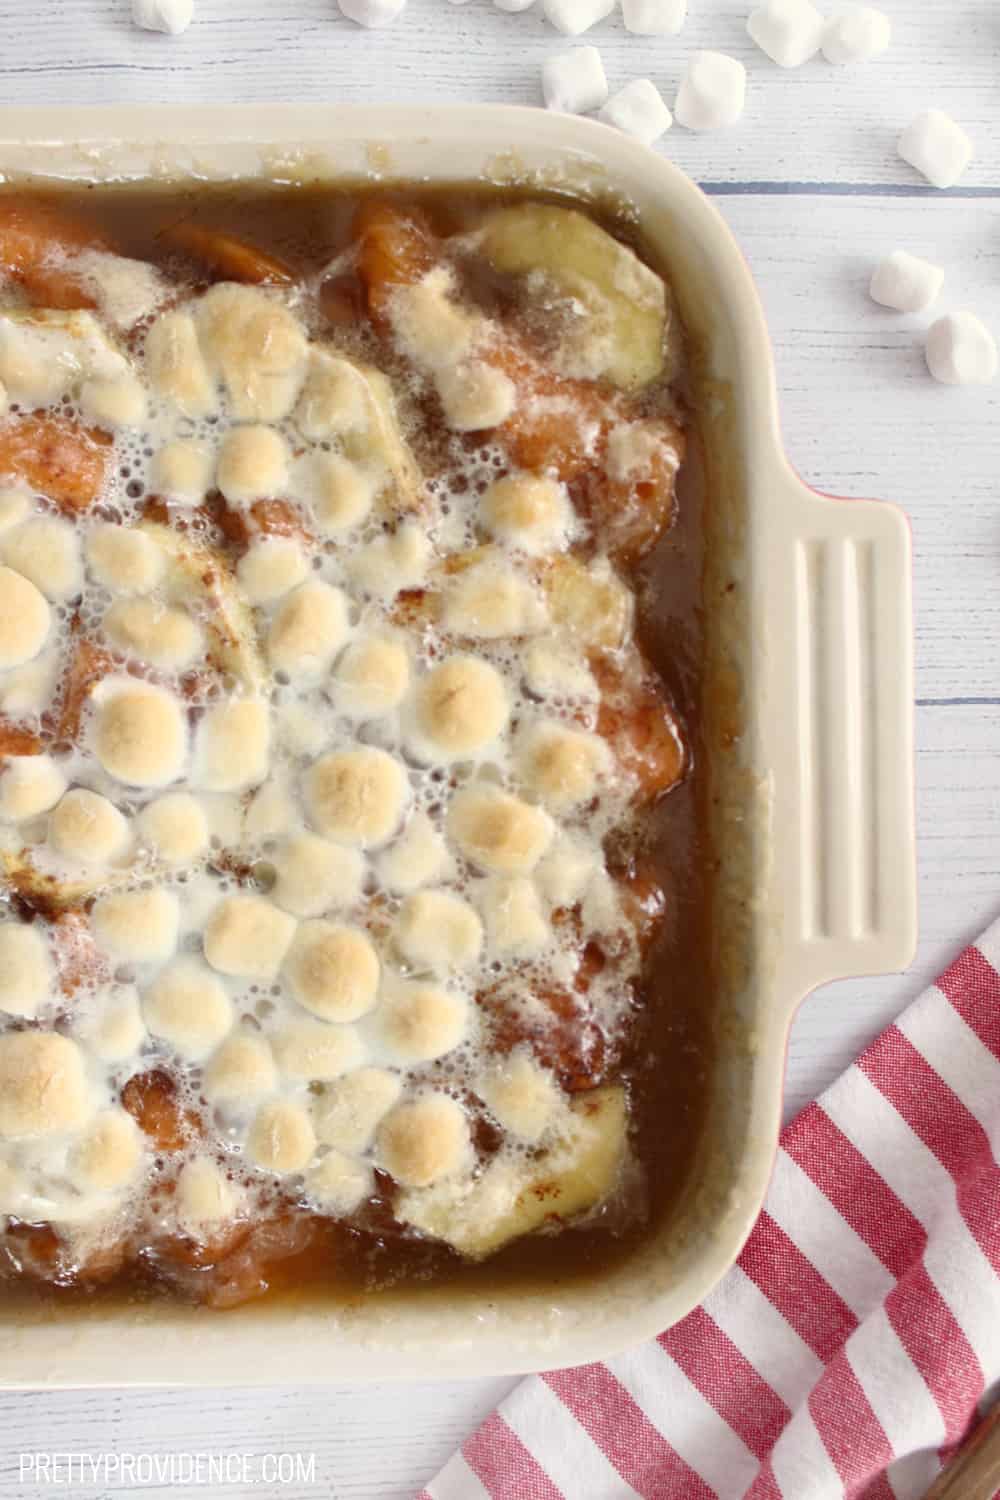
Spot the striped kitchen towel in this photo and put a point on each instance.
(858, 1336)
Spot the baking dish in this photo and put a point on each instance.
(809, 723)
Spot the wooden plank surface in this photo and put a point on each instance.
(812, 125)
(813, 190)
(367, 1443)
(862, 418)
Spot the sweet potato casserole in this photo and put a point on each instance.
(349, 651)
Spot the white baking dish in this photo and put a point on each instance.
(810, 611)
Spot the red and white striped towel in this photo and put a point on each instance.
(858, 1336)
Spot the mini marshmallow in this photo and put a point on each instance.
(856, 34)
(514, 7)
(937, 147)
(575, 82)
(712, 92)
(372, 12)
(961, 350)
(654, 17)
(638, 109)
(788, 31)
(171, 16)
(573, 17)
(906, 283)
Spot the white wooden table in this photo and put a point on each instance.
(811, 185)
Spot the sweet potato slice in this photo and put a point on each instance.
(342, 301)
(632, 496)
(558, 424)
(57, 457)
(234, 259)
(78, 958)
(622, 336)
(571, 429)
(88, 663)
(559, 1029)
(643, 901)
(15, 740)
(641, 729)
(152, 1101)
(37, 241)
(394, 249)
(30, 873)
(244, 1259)
(562, 424)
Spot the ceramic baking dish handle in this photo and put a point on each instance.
(851, 908)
